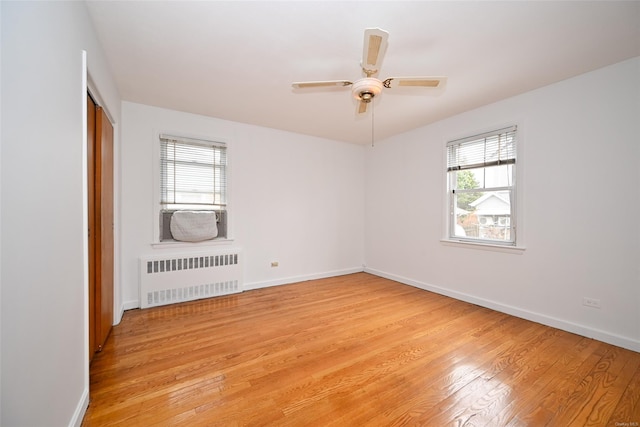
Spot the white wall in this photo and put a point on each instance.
(294, 199)
(580, 200)
(44, 367)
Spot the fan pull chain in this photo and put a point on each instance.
(372, 124)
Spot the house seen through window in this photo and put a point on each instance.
(481, 187)
(193, 179)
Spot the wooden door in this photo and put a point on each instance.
(91, 141)
(104, 226)
(100, 211)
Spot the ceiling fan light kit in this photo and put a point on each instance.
(367, 88)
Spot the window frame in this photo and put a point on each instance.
(514, 244)
(159, 206)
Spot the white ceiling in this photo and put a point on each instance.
(236, 60)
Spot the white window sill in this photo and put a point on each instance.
(177, 244)
(517, 250)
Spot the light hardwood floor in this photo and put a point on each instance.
(355, 350)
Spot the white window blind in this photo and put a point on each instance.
(489, 149)
(192, 172)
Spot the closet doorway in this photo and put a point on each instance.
(100, 210)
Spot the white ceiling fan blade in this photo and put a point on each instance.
(327, 83)
(375, 46)
(432, 82)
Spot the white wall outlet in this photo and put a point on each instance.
(274, 263)
(591, 302)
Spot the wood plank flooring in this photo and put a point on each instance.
(355, 350)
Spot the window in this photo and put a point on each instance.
(193, 176)
(481, 187)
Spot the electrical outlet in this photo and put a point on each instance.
(591, 302)
(274, 263)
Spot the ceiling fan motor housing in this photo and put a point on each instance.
(365, 89)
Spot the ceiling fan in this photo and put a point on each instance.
(366, 88)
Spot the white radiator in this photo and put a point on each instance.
(171, 279)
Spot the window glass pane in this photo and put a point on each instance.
(498, 176)
(490, 177)
(467, 180)
(483, 215)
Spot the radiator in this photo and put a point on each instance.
(171, 279)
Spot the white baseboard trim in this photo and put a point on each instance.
(554, 322)
(127, 305)
(81, 409)
(130, 305)
(294, 279)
